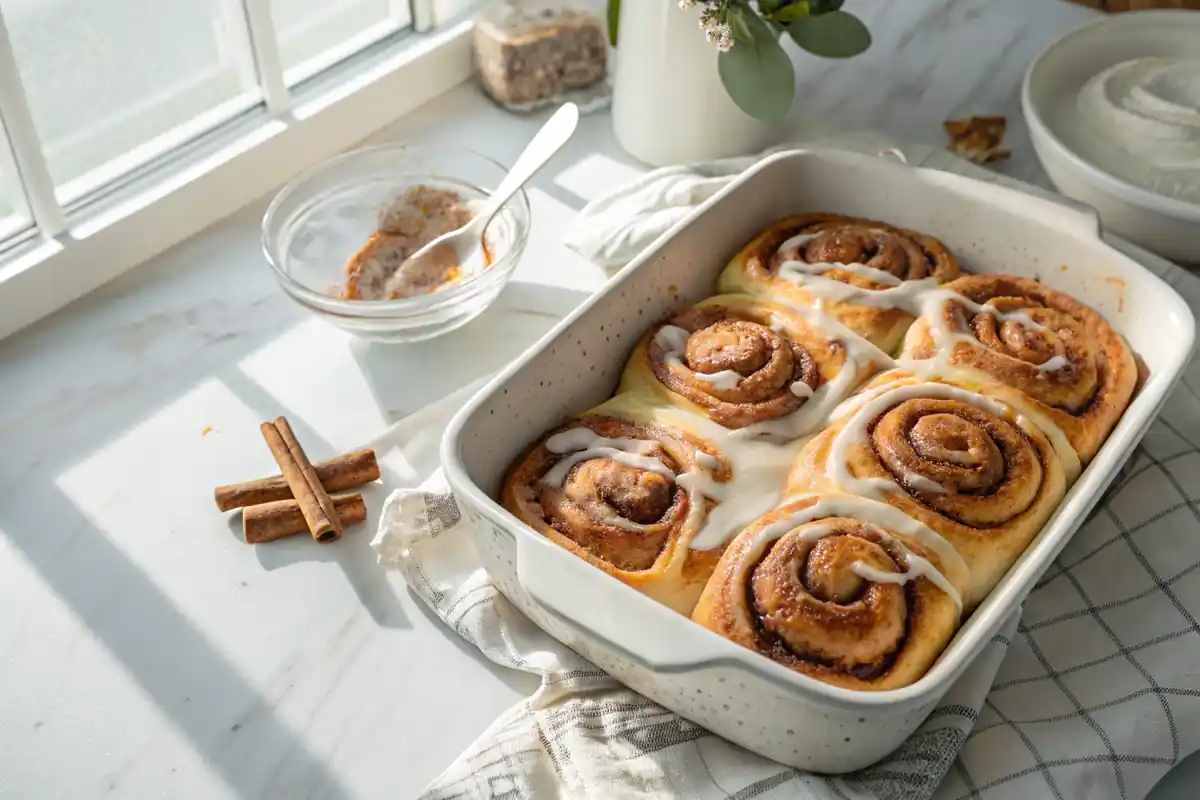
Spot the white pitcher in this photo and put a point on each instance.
(669, 106)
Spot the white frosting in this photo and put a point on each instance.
(860, 355)
(755, 487)
(1029, 417)
(1053, 364)
(827, 289)
(799, 269)
(801, 389)
(920, 483)
(759, 470)
(673, 340)
(725, 380)
(917, 568)
(837, 465)
(584, 444)
(1148, 111)
(880, 516)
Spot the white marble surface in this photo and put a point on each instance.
(144, 650)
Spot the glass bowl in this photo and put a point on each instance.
(324, 216)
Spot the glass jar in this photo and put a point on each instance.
(534, 53)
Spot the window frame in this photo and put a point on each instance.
(71, 243)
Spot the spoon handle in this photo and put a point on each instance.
(548, 141)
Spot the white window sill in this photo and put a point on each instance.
(43, 274)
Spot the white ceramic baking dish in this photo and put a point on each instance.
(732, 691)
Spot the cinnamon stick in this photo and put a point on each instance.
(315, 505)
(337, 474)
(267, 522)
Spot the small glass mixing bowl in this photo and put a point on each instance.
(324, 216)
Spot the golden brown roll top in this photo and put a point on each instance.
(845, 590)
(744, 361)
(608, 486)
(913, 499)
(962, 463)
(1037, 345)
(859, 271)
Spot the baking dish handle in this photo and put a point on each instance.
(596, 606)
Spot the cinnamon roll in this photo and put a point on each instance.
(744, 361)
(1039, 345)
(964, 464)
(860, 271)
(846, 590)
(629, 494)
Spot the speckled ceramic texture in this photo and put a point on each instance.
(732, 691)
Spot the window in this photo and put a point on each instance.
(127, 126)
(14, 216)
(114, 83)
(316, 33)
(106, 87)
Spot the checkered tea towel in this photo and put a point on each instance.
(1095, 693)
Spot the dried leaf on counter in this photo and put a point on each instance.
(978, 139)
(1116, 6)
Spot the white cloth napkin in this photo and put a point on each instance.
(614, 228)
(1097, 695)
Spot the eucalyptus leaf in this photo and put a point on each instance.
(769, 6)
(614, 19)
(757, 73)
(838, 34)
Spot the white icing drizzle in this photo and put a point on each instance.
(801, 269)
(922, 298)
(917, 568)
(673, 341)
(879, 516)
(672, 338)
(932, 308)
(584, 444)
(801, 389)
(860, 355)
(621, 522)
(920, 483)
(1029, 417)
(756, 486)
(902, 296)
(726, 379)
(837, 467)
(1053, 364)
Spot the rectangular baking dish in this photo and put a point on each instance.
(732, 691)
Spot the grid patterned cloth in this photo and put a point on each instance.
(1094, 693)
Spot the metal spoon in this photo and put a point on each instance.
(462, 244)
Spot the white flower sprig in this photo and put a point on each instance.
(712, 22)
(755, 70)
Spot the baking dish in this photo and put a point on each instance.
(732, 691)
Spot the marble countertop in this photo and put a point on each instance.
(144, 649)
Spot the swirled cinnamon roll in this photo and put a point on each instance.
(744, 361)
(629, 494)
(860, 271)
(1039, 345)
(846, 590)
(964, 464)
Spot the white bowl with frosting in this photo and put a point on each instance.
(1114, 113)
